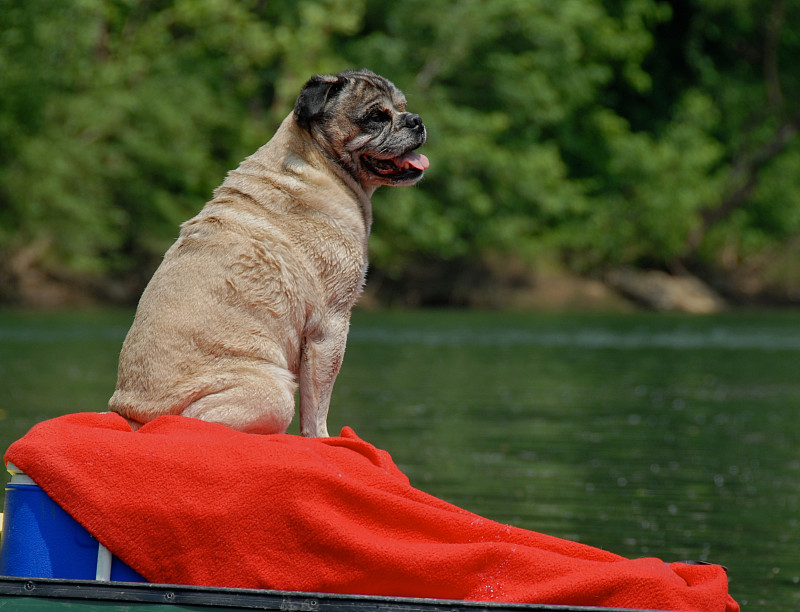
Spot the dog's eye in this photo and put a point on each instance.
(378, 115)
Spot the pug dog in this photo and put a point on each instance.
(254, 297)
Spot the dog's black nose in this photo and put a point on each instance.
(414, 122)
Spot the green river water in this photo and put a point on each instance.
(647, 435)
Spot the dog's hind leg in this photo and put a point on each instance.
(265, 408)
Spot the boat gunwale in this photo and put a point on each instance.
(258, 599)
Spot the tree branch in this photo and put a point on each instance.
(774, 27)
(743, 179)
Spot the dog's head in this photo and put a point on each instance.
(360, 119)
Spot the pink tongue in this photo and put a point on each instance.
(416, 160)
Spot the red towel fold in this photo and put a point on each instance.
(187, 502)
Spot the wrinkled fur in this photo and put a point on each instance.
(254, 298)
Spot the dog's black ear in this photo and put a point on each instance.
(315, 94)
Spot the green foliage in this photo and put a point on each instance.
(119, 118)
(596, 132)
(657, 185)
(505, 88)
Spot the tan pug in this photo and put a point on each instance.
(255, 295)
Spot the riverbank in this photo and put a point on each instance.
(500, 284)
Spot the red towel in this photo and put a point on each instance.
(187, 502)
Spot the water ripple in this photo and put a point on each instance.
(767, 340)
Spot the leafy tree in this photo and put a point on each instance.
(596, 133)
(628, 132)
(120, 117)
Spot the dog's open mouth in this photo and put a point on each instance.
(407, 165)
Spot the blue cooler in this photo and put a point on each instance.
(41, 540)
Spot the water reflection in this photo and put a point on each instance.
(673, 437)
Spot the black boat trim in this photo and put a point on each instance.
(256, 599)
